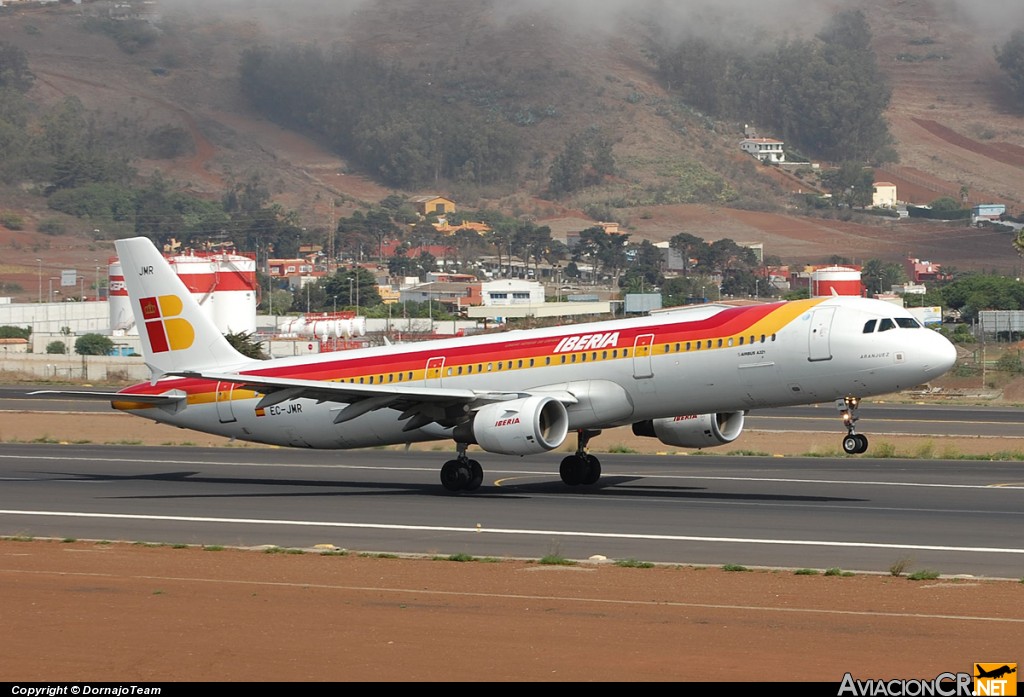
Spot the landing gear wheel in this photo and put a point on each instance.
(863, 447)
(851, 444)
(573, 470)
(455, 475)
(593, 470)
(581, 467)
(476, 476)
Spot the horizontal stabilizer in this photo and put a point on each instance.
(155, 399)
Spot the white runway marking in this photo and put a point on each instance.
(515, 531)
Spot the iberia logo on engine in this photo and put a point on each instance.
(166, 331)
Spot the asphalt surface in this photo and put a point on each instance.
(863, 514)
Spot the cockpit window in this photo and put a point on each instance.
(908, 323)
(886, 324)
(869, 326)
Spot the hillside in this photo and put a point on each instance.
(950, 122)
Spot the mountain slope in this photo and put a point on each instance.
(588, 70)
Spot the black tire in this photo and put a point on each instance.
(476, 476)
(454, 476)
(863, 447)
(851, 444)
(571, 470)
(592, 473)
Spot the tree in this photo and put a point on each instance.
(687, 245)
(56, 347)
(246, 344)
(1010, 58)
(879, 276)
(972, 294)
(93, 345)
(14, 70)
(10, 332)
(566, 173)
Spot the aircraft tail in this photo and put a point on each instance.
(176, 334)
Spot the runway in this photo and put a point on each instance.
(862, 514)
(876, 418)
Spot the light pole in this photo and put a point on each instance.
(40, 262)
(350, 303)
(97, 285)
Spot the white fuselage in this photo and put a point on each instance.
(618, 372)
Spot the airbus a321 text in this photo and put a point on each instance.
(686, 377)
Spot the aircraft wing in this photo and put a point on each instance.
(422, 405)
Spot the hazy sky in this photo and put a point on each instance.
(997, 16)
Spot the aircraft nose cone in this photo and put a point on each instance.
(941, 355)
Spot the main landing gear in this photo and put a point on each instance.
(581, 467)
(462, 473)
(854, 443)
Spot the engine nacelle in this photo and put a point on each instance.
(694, 430)
(525, 426)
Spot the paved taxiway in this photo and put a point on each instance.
(954, 517)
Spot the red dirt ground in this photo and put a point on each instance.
(118, 612)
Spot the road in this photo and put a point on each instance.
(950, 516)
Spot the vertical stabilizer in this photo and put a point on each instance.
(176, 334)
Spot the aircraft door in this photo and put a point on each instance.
(643, 347)
(225, 408)
(818, 343)
(432, 375)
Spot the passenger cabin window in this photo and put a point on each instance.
(886, 324)
(869, 326)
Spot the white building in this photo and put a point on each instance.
(883, 195)
(764, 149)
(512, 291)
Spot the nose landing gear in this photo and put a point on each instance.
(853, 443)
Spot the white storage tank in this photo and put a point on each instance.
(122, 320)
(234, 307)
(199, 275)
(835, 280)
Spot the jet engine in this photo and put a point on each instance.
(694, 430)
(524, 426)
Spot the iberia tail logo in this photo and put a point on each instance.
(166, 331)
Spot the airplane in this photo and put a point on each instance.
(687, 377)
(995, 673)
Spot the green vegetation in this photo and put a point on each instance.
(556, 560)
(899, 567)
(806, 572)
(924, 575)
(246, 344)
(734, 567)
(382, 117)
(826, 96)
(1010, 57)
(213, 548)
(834, 571)
(93, 345)
(9, 332)
(460, 556)
(620, 448)
(12, 221)
(634, 564)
